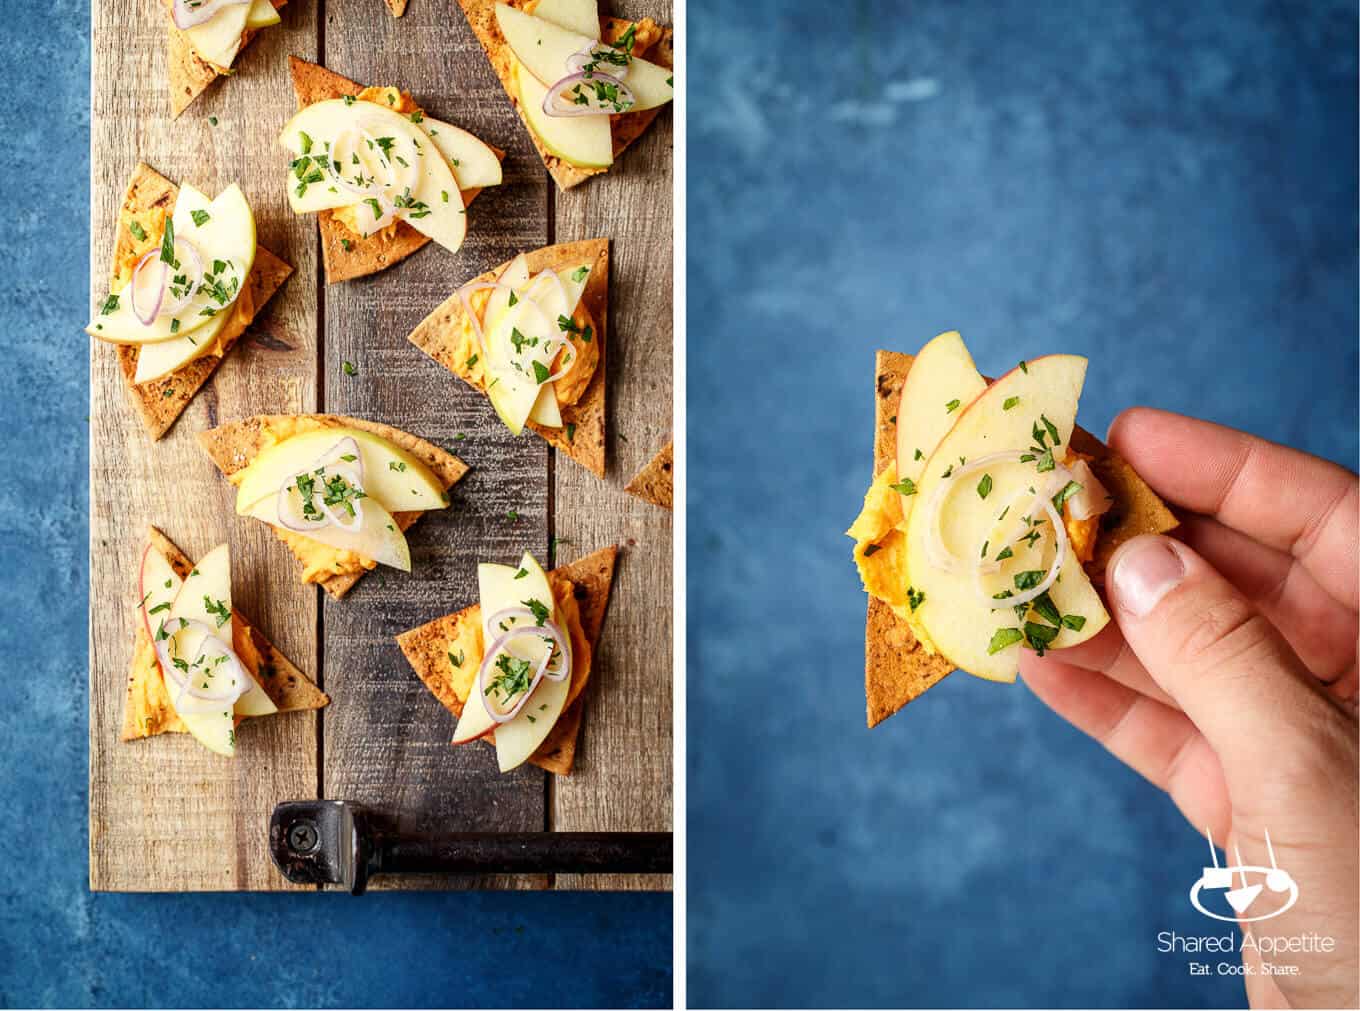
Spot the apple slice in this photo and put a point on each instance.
(546, 411)
(585, 141)
(159, 587)
(435, 205)
(942, 382)
(542, 47)
(974, 514)
(378, 538)
(473, 162)
(262, 15)
(579, 16)
(218, 39)
(396, 479)
(206, 594)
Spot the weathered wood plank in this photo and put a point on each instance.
(165, 815)
(622, 780)
(386, 738)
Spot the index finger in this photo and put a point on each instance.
(1279, 496)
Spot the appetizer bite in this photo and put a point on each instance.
(204, 39)
(530, 335)
(988, 517)
(654, 483)
(187, 280)
(383, 178)
(585, 86)
(198, 666)
(340, 492)
(513, 666)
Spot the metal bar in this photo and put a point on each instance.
(332, 842)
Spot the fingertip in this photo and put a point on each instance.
(1123, 433)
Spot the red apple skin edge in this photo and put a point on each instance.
(484, 733)
(969, 407)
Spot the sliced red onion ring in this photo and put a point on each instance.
(230, 688)
(188, 13)
(1051, 577)
(553, 107)
(1093, 499)
(148, 315)
(469, 289)
(937, 552)
(546, 630)
(291, 514)
(186, 253)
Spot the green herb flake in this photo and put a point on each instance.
(138, 232)
(1003, 638)
(1073, 621)
(904, 487)
(1009, 403)
(984, 487)
(951, 407)
(347, 367)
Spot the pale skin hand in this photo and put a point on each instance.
(1228, 675)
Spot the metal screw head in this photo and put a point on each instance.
(303, 837)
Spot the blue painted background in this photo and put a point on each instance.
(61, 946)
(1168, 188)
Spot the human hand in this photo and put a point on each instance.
(1229, 678)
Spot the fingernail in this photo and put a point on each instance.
(1145, 571)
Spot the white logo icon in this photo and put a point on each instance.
(1241, 898)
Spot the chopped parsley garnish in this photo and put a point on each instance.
(471, 362)
(512, 515)
(1028, 579)
(579, 274)
(217, 608)
(1009, 403)
(1046, 609)
(1023, 367)
(417, 117)
(540, 611)
(1073, 621)
(513, 677)
(1052, 429)
(457, 661)
(1039, 636)
(110, 305)
(347, 367)
(541, 372)
(919, 455)
(138, 232)
(951, 407)
(915, 597)
(521, 573)
(174, 326)
(1002, 638)
(200, 217)
(1068, 490)
(168, 244)
(872, 549)
(984, 487)
(571, 431)
(349, 99)
(904, 487)
(346, 245)
(1005, 553)
(396, 465)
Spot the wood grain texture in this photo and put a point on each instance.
(622, 779)
(386, 739)
(165, 815)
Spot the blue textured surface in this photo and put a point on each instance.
(60, 945)
(1167, 188)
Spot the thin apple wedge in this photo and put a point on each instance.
(377, 538)
(942, 382)
(983, 535)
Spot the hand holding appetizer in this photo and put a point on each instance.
(987, 505)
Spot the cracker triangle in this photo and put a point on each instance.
(397, 7)
(441, 335)
(160, 402)
(896, 667)
(654, 483)
(427, 649)
(188, 73)
(626, 128)
(234, 445)
(345, 255)
(148, 712)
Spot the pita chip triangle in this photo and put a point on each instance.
(432, 649)
(445, 337)
(148, 712)
(234, 445)
(397, 7)
(344, 254)
(625, 128)
(897, 668)
(150, 198)
(654, 483)
(188, 72)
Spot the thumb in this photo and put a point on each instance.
(1208, 647)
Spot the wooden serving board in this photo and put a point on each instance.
(165, 815)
